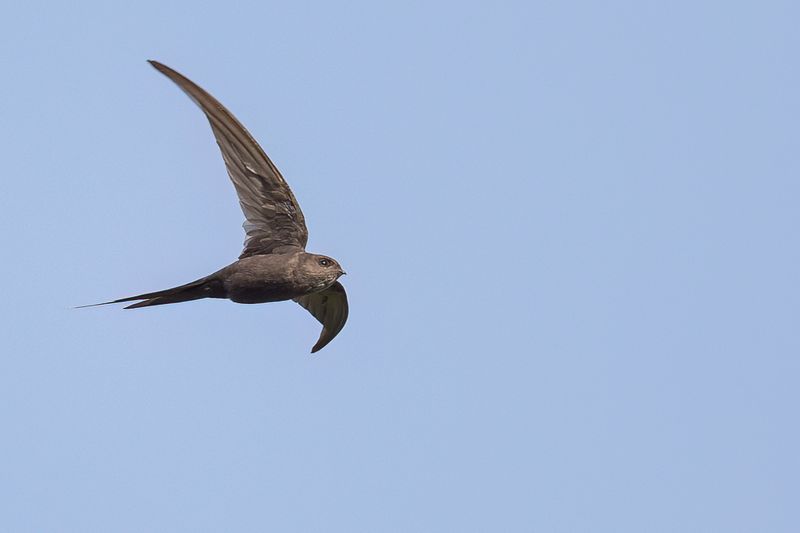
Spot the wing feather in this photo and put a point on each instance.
(273, 218)
(330, 308)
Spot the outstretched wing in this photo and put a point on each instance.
(330, 308)
(272, 215)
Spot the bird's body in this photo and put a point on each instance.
(273, 278)
(274, 265)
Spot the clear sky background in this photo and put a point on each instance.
(571, 234)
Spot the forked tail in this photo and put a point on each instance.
(196, 290)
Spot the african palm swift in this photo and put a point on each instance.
(274, 264)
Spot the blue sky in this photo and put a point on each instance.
(570, 230)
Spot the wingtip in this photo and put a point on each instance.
(321, 343)
(161, 67)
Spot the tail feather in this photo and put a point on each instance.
(183, 293)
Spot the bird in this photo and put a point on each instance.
(274, 264)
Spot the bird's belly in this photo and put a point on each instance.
(251, 291)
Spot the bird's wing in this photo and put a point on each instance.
(330, 308)
(272, 215)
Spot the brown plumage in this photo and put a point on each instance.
(274, 265)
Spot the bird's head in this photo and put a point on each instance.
(321, 268)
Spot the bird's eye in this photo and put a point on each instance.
(324, 262)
